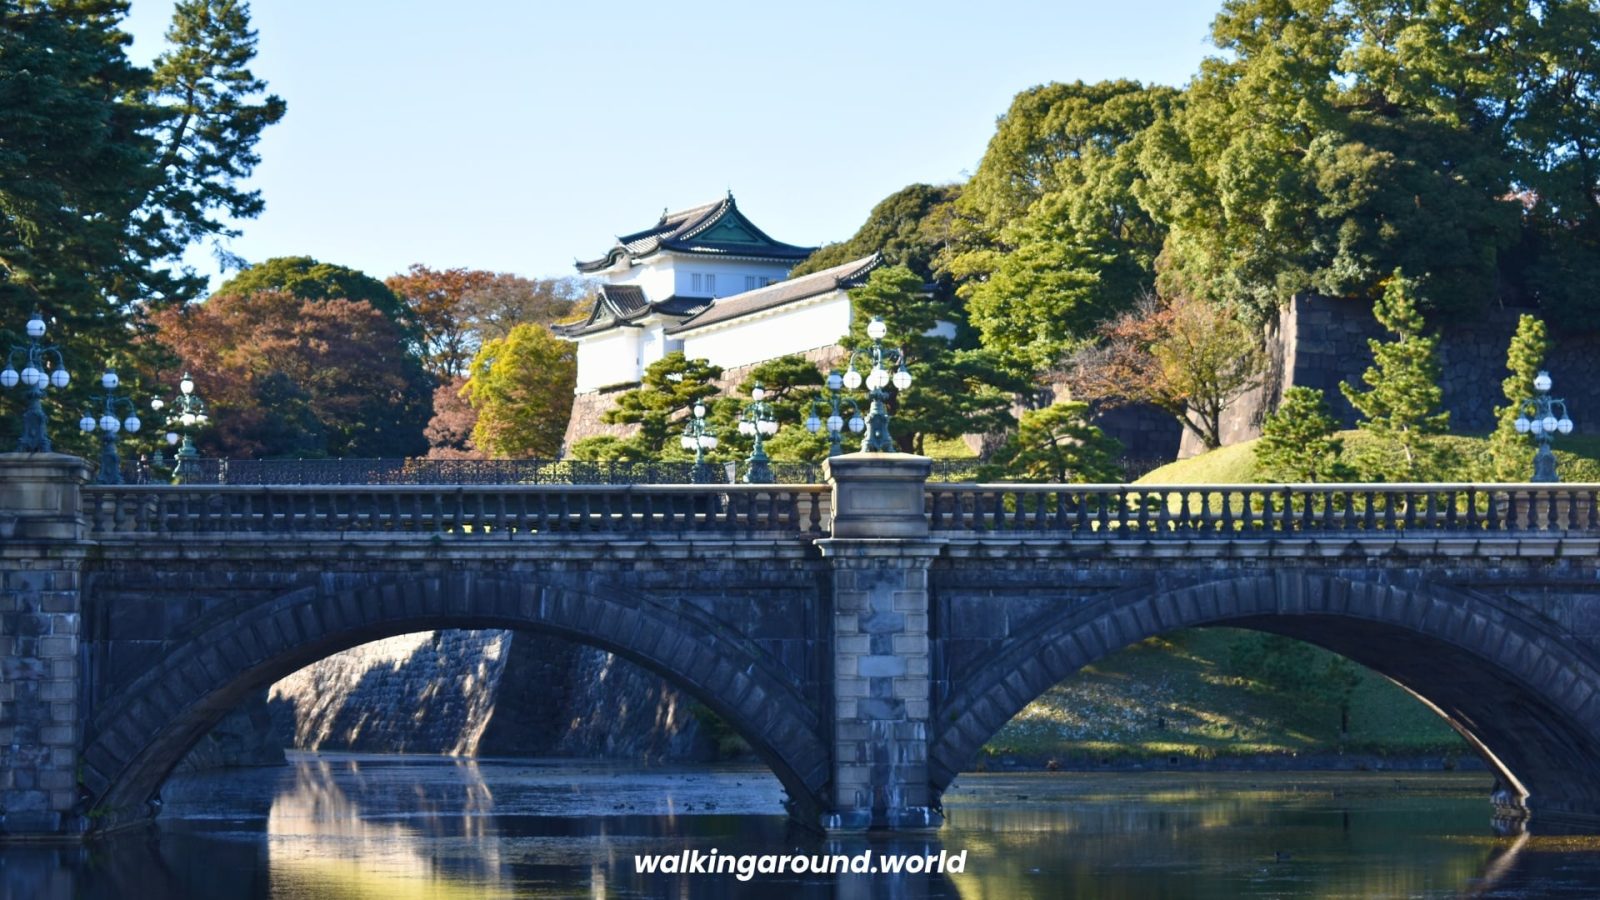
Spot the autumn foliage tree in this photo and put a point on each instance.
(286, 376)
(458, 310)
(449, 432)
(521, 388)
(1183, 355)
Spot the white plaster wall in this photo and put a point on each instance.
(807, 324)
(730, 275)
(654, 277)
(613, 357)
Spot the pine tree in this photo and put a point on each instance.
(1057, 444)
(1400, 407)
(1510, 453)
(1297, 440)
(957, 388)
(671, 387)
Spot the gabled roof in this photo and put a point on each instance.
(715, 229)
(623, 304)
(849, 275)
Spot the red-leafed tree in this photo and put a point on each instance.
(286, 376)
(459, 309)
(449, 432)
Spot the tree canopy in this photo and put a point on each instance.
(110, 171)
(291, 377)
(521, 388)
(311, 279)
(1336, 140)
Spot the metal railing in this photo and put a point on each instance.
(467, 510)
(516, 471)
(453, 471)
(1243, 511)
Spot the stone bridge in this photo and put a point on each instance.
(866, 636)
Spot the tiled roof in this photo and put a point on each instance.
(849, 275)
(621, 304)
(681, 232)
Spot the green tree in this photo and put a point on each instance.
(1400, 407)
(791, 383)
(521, 388)
(607, 448)
(1057, 444)
(1336, 140)
(1510, 453)
(110, 171)
(1297, 440)
(670, 388)
(310, 279)
(909, 227)
(1049, 237)
(957, 388)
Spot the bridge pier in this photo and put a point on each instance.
(42, 549)
(882, 650)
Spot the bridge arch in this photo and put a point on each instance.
(134, 743)
(1503, 678)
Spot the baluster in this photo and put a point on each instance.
(816, 512)
(1493, 513)
(1225, 498)
(1122, 513)
(1591, 514)
(1553, 512)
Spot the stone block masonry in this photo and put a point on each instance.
(41, 558)
(865, 659)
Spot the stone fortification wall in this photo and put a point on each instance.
(1317, 342)
(485, 693)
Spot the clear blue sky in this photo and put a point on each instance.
(515, 135)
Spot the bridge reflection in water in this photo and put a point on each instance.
(395, 827)
(865, 637)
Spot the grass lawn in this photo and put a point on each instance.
(1179, 695)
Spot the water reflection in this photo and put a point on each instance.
(397, 827)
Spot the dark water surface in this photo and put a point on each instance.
(400, 827)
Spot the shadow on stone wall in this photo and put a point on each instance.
(465, 693)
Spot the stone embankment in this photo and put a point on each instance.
(466, 693)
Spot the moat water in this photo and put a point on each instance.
(397, 827)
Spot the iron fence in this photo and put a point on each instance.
(419, 471)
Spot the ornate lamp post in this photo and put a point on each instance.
(699, 437)
(36, 379)
(756, 419)
(1538, 417)
(109, 425)
(188, 413)
(878, 380)
(835, 421)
